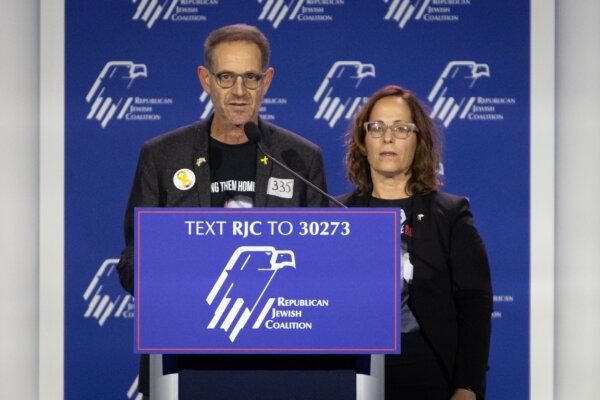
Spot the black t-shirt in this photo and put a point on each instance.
(417, 364)
(409, 322)
(232, 174)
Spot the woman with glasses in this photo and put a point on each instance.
(393, 157)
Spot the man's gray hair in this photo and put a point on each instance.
(237, 33)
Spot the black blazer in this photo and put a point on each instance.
(163, 155)
(451, 291)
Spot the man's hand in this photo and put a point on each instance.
(463, 394)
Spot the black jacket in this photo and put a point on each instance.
(451, 291)
(164, 155)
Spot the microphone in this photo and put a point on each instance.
(253, 134)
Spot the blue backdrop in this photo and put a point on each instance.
(131, 75)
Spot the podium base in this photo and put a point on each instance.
(267, 385)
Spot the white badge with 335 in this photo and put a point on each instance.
(279, 187)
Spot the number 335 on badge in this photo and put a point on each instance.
(283, 188)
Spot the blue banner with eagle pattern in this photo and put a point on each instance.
(131, 75)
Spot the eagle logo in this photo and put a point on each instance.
(150, 11)
(108, 94)
(104, 295)
(450, 95)
(336, 95)
(401, 11)
(242, 284)
(276, 11)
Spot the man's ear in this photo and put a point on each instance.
(204, 78)
(269, 73)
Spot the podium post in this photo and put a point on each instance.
(162, 386)
(372, 386)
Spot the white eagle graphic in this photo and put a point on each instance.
(450, 94)
(336, 95)
(242, 284)
(108, 95)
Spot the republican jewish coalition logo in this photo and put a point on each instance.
(112, 95)
(105, 297)
(242, 284)
(338, 95)
(109, 95)
(451, 95)
(277, 11)
(151, 11)
(402, 11)
(502, 305)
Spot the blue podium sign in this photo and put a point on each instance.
(267, 280)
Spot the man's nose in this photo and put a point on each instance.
(238, 87)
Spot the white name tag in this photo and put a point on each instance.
(281, 187)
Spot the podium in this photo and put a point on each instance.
(359, 383)
(267, 303)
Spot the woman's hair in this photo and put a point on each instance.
(424, 170)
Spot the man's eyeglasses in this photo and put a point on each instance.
(227, 79)
(400, 130)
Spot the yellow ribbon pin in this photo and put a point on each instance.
(183, 178)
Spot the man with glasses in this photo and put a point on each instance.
(212, 163)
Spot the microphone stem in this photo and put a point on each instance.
(297, 175)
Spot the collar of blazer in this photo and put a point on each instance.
(421, 214)
(202, 171)
(426, 249)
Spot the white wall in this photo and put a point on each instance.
(577, 323)
(19, 162)
(577, 233)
